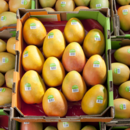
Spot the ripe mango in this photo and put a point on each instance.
(95, 70)
(124, 15)
(48, 9)
(32, 59)
(122, 55)
(98, 4)
(124, 90)
(95, 100)
(34, 32)
(54, 44)
(14, 5)
(31, 126)
(2, 79)
(89, 127)
(7, 18)
(73, 86)
(80, 7)
(69, 125)
(47, 3)
(65, 5)
(2, 45)
(94, 43)
(120, 73)
(7, 62)
(11, 43)
(3, 6)
(53, 72)
(73, 57)
(123, 2)
(50, 128)
(122, 108)
(54, 103)
(32, 87)
(82, 2)
(5, 96)
(74, 31)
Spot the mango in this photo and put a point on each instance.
(54, 44)
(120, 73)
(34, 32)
(31, 126)
(95, 71)
(5, 96)
(2, 45)
(3, 6)
(94, 43)
(65, 5)
(98, 4)
(54, 103)
(82, 2)
(80, 7)
(73, 57)
(9, 78)
(11, 43)
(121, 53)
(74, 31)
(7, 18)
(50, 128)
(32, 59)
(32, 87)
(73, 86)
(123, 2)
(124, 90)
(14, 5)
(124, 15)
(7, 62)
(2, 79)
(89, 127)
(122, 108)
(53, 72)
(69, 125)
(48, 9)
(47, 3)
(95, 100)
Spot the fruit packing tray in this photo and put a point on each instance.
(24, 112)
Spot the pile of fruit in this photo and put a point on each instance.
(72, 60)
(7, 65)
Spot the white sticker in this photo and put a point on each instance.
(52, 66)
(3, 18)
(26, 122)
(5, 60)
(23, 2)
(125, 11)
(72, 52)
(98, 6)
(25, 54)
(2, 89)
(65, 124)
(117, 70)
(99, 100)
(51, 98)
(14, 46)
(63, 3)
(32, 26)
(96, 64)
(51, 35)
(73, 22)
(27, 87)
(123, 106)
(75, 89)
(97, 38)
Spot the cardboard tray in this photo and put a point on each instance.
(22, 15)
(116, 22)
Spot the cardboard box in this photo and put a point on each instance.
(22, 15)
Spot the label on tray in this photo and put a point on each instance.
(123, 106)
(73, 22)
(63, 3)
(32, 26)
(52, 66)
(26, 122)
(51, 98)
(27, 87)
(117, 71)
(25, 54)
(65, 124)
(96, 64)
(75, 89)
(127, 89)
(2, 89)
(23, 2)
(97, 37)
(99, 99)
(51, 35)
(72, 52)
(3, 18)
(128, 50)
(98, 6)
(14, 46)
(125, 11)
(5, 60)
